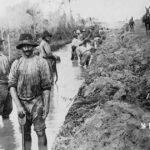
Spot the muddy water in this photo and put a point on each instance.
(71, 77)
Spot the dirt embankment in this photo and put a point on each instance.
(113, 103)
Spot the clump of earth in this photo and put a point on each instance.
(111, 109)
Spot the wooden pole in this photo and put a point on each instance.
(8, 46)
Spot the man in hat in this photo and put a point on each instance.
(30, 85)
(75, 43)
(131, 24)
(78, 40)
(5, 99)
(46, 52)
(85, 53)
(45, 49)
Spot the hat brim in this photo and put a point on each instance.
(22, 43)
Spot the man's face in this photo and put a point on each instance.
(48, 38)
(27, 50)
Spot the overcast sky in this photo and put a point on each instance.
(112, 10)
(105, 10)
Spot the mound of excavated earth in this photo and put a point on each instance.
(111, 109)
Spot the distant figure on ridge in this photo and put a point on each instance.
(131, 24)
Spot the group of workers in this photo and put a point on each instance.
(28, 82)
(84, 42)
(29, 79)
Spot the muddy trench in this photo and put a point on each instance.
(111, 109)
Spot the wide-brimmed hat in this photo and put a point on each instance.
(46, 34)
(26, 39)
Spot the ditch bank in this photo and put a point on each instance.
(111, 109)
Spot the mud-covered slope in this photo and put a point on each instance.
(113, 102)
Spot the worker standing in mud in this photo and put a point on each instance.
(30, 84)
(102, 33)
(45, 48)
(46, 53)
(85, 53)
(78, 41)
(131, 24)
(5, 99)
(74, 44)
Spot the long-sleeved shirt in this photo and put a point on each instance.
(30, 76)
(4, 67)
(45, 49)
(76, 42)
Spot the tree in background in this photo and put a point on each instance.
(28, 17)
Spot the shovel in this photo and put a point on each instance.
(22, 121)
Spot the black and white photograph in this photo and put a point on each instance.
(74, 74)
